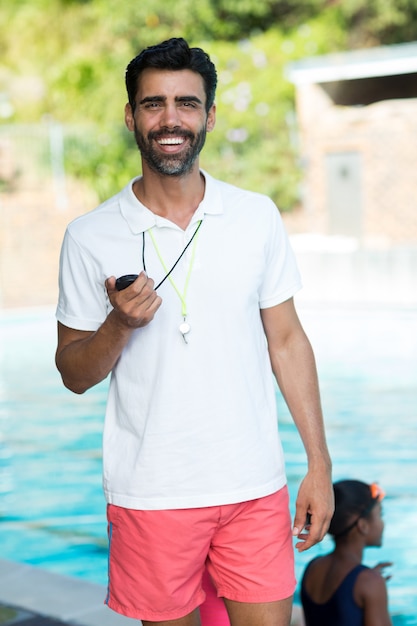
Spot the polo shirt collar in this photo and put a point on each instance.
(140, 218)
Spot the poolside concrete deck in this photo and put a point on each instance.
(32, 596)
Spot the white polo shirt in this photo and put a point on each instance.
(187, 424)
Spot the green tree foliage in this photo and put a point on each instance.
(237, 19)
(376, 22)
(66, 59)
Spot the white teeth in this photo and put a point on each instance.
(175, 141)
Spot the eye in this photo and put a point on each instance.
(188, 103)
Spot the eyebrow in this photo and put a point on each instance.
(177, 99)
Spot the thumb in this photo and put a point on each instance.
(110, 284)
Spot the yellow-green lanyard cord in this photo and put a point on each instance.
(184, 328)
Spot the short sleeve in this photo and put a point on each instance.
(82, 301)
(282, 277)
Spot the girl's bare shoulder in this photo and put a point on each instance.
(370, 586)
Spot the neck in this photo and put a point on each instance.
(349, 551)
(174, 197)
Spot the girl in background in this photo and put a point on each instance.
(337, 589)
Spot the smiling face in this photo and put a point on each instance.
(170, 121)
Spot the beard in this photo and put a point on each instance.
(170, 164)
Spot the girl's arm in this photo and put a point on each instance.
(372, 593)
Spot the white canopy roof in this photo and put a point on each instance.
(380, 61)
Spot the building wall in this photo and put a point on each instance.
(384, 135)
(31, 232)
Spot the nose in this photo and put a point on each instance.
(170, 117)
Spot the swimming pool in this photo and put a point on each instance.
(52, 509)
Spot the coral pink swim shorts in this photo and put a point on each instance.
(157, 558)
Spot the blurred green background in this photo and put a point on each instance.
(65, 59)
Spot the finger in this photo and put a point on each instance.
(381, 567)
(307, 541)
(314, 532)
(303, 543)
(110, 283)
(302, 520)
(135, 294)
(152, 304)
(303, 534)
(139, 284)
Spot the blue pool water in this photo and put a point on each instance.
(52, 512)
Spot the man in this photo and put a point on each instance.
(193, 468)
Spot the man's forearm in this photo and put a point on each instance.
(85, 359)
(296, 374)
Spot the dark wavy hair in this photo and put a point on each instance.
(353, 501)
(173, 54)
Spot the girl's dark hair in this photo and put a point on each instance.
(353, 500)
(173, 54)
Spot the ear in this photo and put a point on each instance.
(129, 120)
(363, 526)
(211, 118)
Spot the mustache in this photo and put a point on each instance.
(158, 134)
